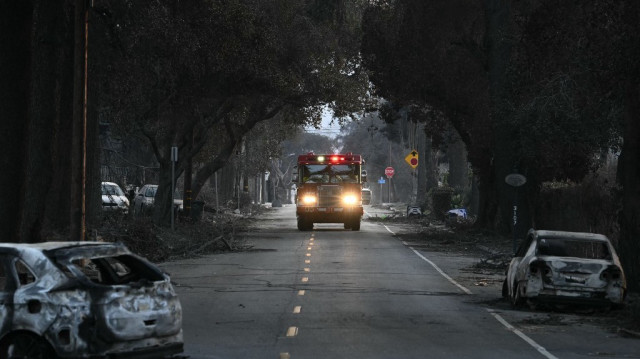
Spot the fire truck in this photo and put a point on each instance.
(329, 190)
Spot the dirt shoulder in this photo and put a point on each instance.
(213, 233)
(478, 260)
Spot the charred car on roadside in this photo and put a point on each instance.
(85, 299)
(565, 268)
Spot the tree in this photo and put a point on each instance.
(36, 107)
(177, 75)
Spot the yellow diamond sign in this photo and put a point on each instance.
(412, 159)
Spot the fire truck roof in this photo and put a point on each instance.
(336, 158)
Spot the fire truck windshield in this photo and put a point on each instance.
(328, 173)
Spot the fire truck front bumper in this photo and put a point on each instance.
(329, 214)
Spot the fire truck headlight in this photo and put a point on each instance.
(349, 199)
(309, 199)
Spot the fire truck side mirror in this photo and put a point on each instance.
(364, 176)
(294, 178)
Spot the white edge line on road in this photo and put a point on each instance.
(464, 289)
(524, 337)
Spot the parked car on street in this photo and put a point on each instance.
(113, 198)
(85, 299)
(366, 195)
(565, 267)
(143, 203)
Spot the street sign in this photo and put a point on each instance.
(412, 159)
(382, 181)
(515, 179)
(174, 154)
(389, 171)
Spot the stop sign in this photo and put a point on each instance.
(389, 172)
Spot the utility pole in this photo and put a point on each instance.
(77, 218)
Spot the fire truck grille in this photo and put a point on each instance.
(329, 196)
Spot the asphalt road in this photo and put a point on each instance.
(331, 293)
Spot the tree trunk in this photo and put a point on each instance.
(15, 39)
(498, 47)
(78, 139)
(46, 150)
(628, 177)
(206, 171)
(164, 198)
(458, 166)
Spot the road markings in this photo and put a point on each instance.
(305, 279)
(297, 309)
(308, 254)
(285, 356)
(311, 239)
(292, 332)
(308, 248)
(441, 272)
(524, 337)
(307, 269)
(307, 261)
(311, 243)
(433, 265)
(301, 292)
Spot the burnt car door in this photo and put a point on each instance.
(31, 309)
(6, 298)
(513, 269)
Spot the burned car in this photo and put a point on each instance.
(85, 299)
(565, 267)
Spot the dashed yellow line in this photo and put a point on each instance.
(285, 356)
(305, 279)
(292, 332)
(301, 292)
(308, 254)
(307, 269)
(307, 261)
(297, 309)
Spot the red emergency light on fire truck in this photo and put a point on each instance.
(330, 190)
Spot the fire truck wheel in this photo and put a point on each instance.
(356, 224)
(304, 224)
(347, 225)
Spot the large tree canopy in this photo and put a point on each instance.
(175, 70)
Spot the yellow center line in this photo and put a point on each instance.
(297, 309)
(308, 254)
(307, 261)
(292, 332)
(307, 269)
(301, 292)
(285, 356)
(308, 248)
(311, 243)
(305, 279)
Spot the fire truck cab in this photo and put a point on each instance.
(329, 190)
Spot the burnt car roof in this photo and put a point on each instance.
(572, 235)
(67, 249)
(51, 246)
